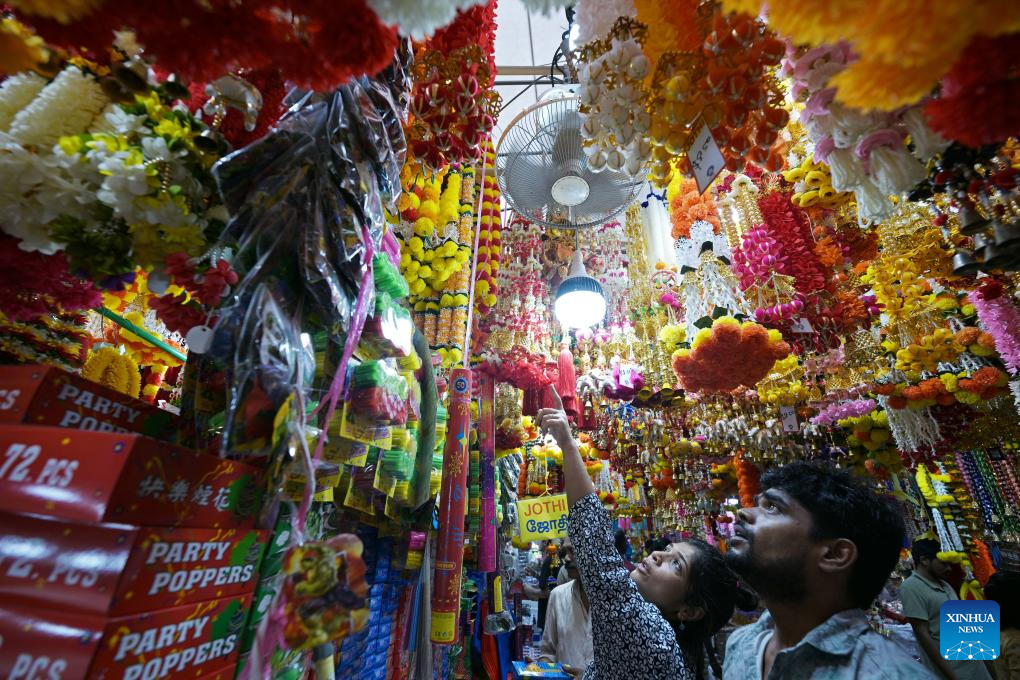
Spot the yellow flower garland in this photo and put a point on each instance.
(110, 368)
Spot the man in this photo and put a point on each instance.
(567, 638)
(922, 596)
(817, 548)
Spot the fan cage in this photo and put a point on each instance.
(542, 144)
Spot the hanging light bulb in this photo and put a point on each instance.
(580, 302)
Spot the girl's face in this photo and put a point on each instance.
(662, 579)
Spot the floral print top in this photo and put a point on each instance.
(630, 637)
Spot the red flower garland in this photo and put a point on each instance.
(977, 102)
(31, 283)
(790, 227)
(317, 44)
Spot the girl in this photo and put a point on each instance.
(658, 620)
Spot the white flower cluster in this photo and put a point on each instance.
(35, 190)
(35, 186)
(66, 106)
(419, 18)
(595, 18)
(615, 123)
(16, 93)
(121, 167)
(865, 150)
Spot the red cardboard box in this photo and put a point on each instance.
(38, 644)
(191, 641)
(124, 478)
(116, 569)
(44, 395)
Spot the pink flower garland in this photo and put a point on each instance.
(848, 409)
(1000, 317)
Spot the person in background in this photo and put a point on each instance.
(621, 545)
(566, 638)
(1004, 588)
(922, 595)
(541, 571)
(657, 621)
(817, 548)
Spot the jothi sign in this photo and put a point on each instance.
(543, 517)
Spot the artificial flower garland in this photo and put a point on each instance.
(108, 367)
(897, 64)
(687, 205)
(728, 355)
(316, 44)
(1000, 318)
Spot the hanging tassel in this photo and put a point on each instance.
(894, 170)
(845, 169)
(926, 142)
(872, 205)
(566, 384)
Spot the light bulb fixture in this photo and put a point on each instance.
(580, 301)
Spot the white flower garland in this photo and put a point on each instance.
(912, 429)
(595, 18)
(67, 106)
(16, 93)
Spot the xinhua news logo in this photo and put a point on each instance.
(969, 630)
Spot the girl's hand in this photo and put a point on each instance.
(554, 421)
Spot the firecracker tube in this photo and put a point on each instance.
(487, 479)
(452, 501)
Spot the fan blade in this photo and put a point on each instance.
(528, 182)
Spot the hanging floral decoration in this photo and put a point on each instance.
(108, 367)
(866, 151)
(728, 355)
(453, 104)
(114, 190)
(55, 339)
(316, 44)
(976, 102)
(1000, 318)
(897, 64)
(489, 239)
(32, 285)
(812, 186)
(647, 86)
(20, 49)
(687, 205)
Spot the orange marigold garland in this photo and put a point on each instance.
(689, 205)
(748, 480)
(728, 355)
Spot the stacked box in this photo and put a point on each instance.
(116, 569)
(124, 556)
(44, 395)
(113, 477)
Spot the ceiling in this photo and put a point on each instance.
(523, 39)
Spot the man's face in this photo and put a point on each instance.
(567, 557)
(939, 568)
(772, 545)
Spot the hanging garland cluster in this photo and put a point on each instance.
(315, 44)
(454, 103)
(728, 355)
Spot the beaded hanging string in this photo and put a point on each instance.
(913, 429)
(1006, 514)
(976, 486)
